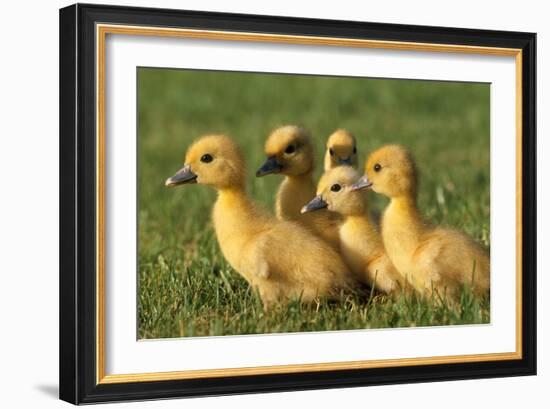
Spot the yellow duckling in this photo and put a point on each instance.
(289, 152)
(430, 257)
(341, 150)
(360, 242)
(280, 259)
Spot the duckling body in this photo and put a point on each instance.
(430, 257)
(269, 253)
(281, 259)
(363, 250)
(292, 194)
(360, 242)
(290, 152)
(434, 257)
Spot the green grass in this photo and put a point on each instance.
(186, 288)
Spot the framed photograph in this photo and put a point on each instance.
(257, 203)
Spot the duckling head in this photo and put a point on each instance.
(341, 150)
(289, 151)
(391, 171)
(335, 192)
(213, 160)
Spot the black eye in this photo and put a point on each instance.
(336, 187)
(207, 158)
(354, 150)
(377, 167)
(290, 149)
(331, 152)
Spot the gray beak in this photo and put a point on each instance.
(316, 203)
(362, 183)
(345, 162)
(270, 166)
(182, 176)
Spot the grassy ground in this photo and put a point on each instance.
(186, 288)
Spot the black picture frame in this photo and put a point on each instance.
(78, 204)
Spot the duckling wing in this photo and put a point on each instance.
(297, 257)
(454, 256)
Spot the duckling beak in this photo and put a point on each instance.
(362, 183)
(345, 161)
(270, 166)
(316, 203)
(182, 176)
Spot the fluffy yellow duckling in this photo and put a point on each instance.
(289, 152)
(281, 259)
(430, 257)
(341, 150)
(360, 242)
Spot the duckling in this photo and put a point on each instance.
(281, 259)
(289, 152)
(360, 242)
(341, 150)
(432, 258)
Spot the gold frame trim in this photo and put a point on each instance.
(101, 33)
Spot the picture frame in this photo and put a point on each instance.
(83, 219)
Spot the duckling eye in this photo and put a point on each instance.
(377, 167)
(336, 187)
(331, 152)
(354, 150)
(207, 158)
(290, 149)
